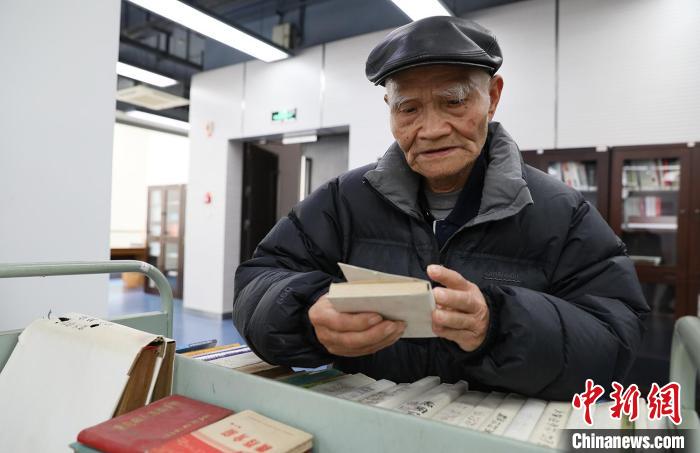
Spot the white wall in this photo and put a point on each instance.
(625, 73)
(56, 129)
(211, 254)
(526, 34)
(629, 72)
(141, 158)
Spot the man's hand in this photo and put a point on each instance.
(461, 314)
(352, 334)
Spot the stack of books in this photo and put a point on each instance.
(509, 415)
(177, 424)
(240, 358)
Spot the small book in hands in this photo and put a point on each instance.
(395, 297)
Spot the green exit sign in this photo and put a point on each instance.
(284, 115)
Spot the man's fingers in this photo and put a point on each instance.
(448, 277)
(455, 320)
(361, 343)
(323, 314)
(349, 322)
(466, 339)
(461, 300)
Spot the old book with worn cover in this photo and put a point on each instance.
(78, 370)
(244, 432)
(395, 297)
(152, 425)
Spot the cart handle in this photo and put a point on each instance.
(685, 362)
(12, 270)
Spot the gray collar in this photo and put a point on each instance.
(505, 189)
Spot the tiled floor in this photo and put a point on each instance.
(187, 327)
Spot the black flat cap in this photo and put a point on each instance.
(434, 40)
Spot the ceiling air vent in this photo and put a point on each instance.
(150, 98)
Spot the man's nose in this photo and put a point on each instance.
(434, 126)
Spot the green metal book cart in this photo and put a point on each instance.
(337, 425)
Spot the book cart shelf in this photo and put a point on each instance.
(337, 425)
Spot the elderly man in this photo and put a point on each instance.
(534, 291)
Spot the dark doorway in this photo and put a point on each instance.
(259, 212)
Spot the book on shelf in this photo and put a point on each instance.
(364, 391)
(310, 378)
(397, 395)
(525, 420)
(651, 175)
(498, 421)
(548, 431)
(343, 384)
(483, 410)
(395, 297)
(150, 426)
(434, 400)
(240, 358)
(79, 370)
(577, 175)
(243, 432)
(458, 410)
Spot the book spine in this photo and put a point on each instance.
(524, 422)
(343, 384)
(455, 412)
(367, 390)
(483, 410)
(499, 420)
(548, 431)
(432, 401)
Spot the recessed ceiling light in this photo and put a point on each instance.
(158, 119)
(210, 27)
(132, 72)
(420, 9)
(305, 138)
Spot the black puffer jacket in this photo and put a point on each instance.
(565, 300)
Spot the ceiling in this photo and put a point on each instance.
(159, 45)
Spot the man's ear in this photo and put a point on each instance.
(386, 99)
(495, 89)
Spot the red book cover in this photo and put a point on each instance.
(152, 425)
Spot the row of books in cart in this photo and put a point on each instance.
(509, 415)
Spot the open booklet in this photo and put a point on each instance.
(74, 371)
(395, 297)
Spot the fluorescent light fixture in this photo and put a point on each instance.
(420, 9)
(161, 120)
(132, 72)
(210, 27)
(292, 139)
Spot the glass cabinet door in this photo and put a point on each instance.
(172, 212)
(650, 207)
(155, 210)
(580, 175)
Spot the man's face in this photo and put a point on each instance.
(439, 117)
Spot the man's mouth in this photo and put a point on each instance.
(438, 152)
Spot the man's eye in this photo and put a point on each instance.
(455, 101)
(407, 109)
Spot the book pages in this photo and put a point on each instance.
(395, 297)
(76, 369)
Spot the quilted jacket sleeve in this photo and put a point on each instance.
(589, 325)
(293, 266)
